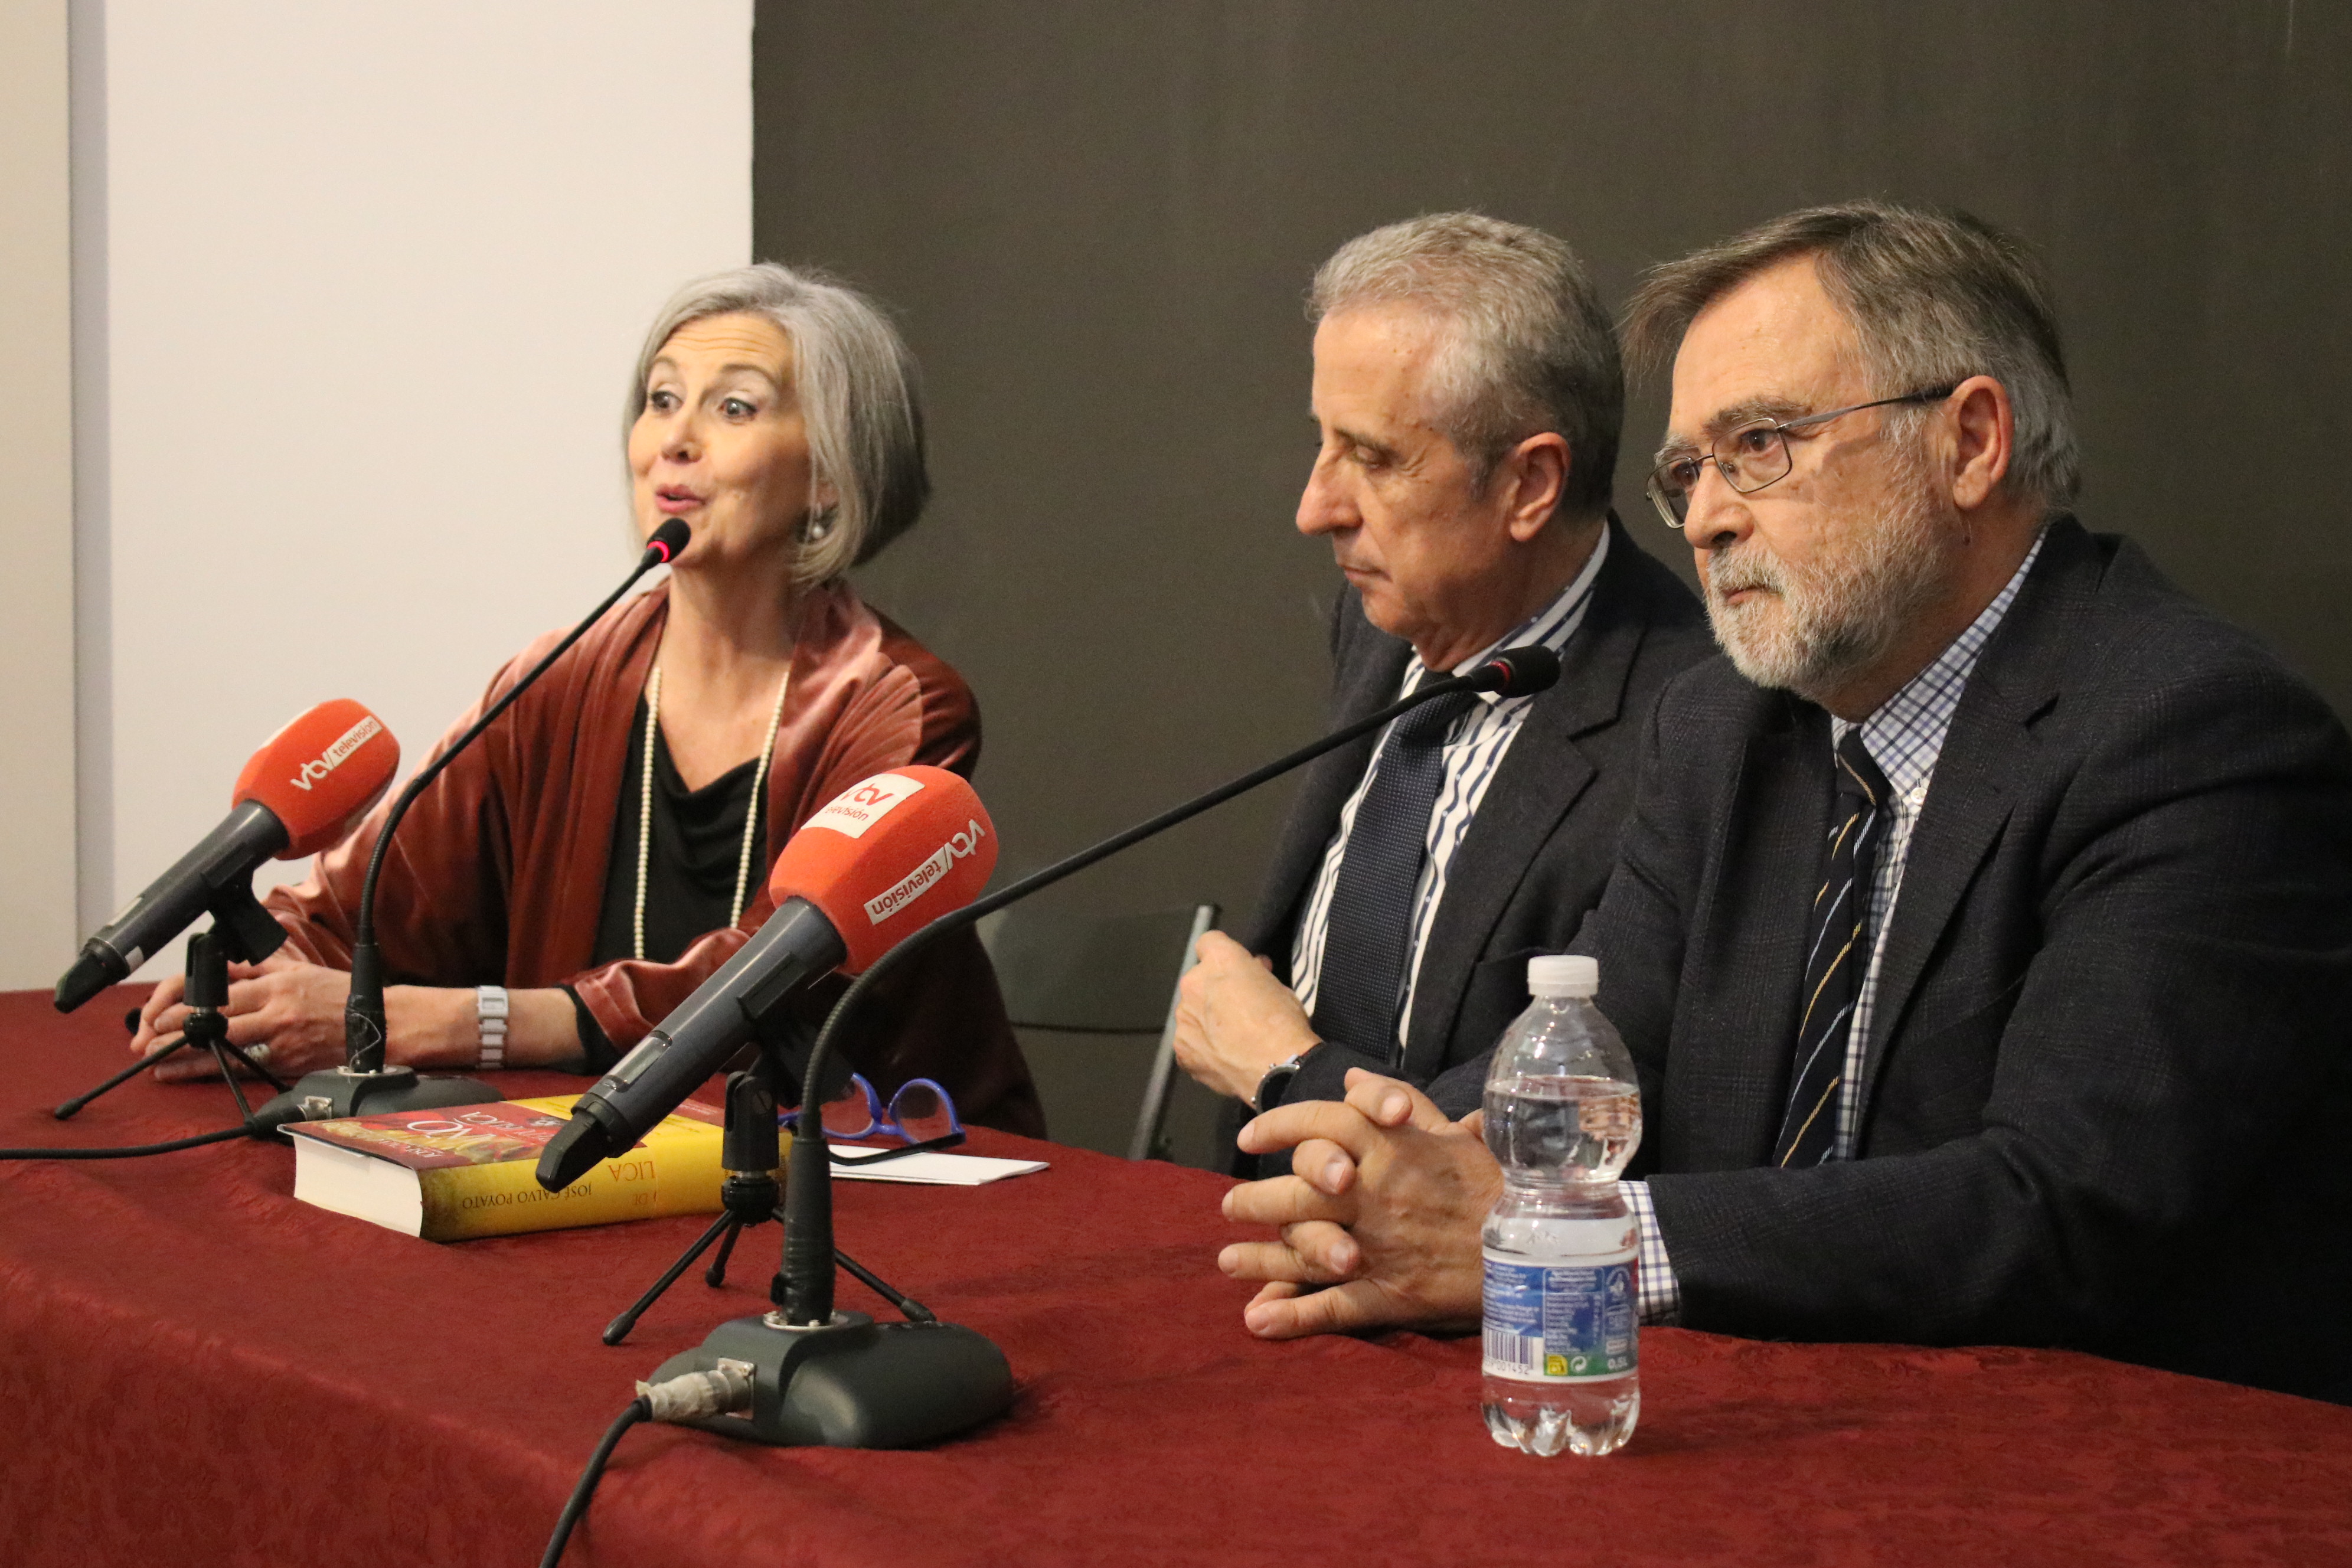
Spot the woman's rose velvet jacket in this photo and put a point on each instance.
(497, 875)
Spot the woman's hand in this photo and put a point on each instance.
(294, 1009)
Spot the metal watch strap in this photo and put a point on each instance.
(1271, 1086)
(490, 1007)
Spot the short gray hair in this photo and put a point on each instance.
(858, 394)
(1934, 298)
(1528, 347)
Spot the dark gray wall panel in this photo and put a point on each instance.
(1098, 220)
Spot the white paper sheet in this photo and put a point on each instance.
(932, 1168)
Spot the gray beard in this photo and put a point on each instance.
(1835, 619)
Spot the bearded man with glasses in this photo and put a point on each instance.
(1983, 930)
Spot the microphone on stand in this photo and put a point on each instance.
(818, 1376)
(882, 858)
(307, 786)
(364, 1085)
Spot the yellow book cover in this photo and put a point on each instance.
(467, 1171)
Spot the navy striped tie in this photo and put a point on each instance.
(1837, 960)
(1362, 981)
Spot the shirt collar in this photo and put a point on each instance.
(1906, 735)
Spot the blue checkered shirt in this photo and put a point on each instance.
(1905, 737)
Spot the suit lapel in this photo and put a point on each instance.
(1761, 915)
(1967, 804)
(1987, 749)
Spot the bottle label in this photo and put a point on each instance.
(1559, 1322)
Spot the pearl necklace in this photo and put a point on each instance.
(750, 812)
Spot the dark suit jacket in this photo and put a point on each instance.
(1540, 848)
(2107, 1090)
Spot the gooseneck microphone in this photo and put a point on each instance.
(881, 860)
(806, 1286)
(363, 1084)
(306, 787)
(804, 1373)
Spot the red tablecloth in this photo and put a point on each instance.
(195, 1369)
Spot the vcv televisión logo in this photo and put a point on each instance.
(888, 902)
(328, 760)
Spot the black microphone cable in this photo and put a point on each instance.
(139, 1151)
(131, 1152)
(690, 1395)
(640, 1409)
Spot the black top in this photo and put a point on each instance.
(690, 863)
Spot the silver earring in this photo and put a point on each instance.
(816, 526)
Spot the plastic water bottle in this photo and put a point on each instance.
(1563, 1116)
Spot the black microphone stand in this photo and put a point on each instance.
(242, 931)
(751, 1157)
(752, 1194)
(364, 1085)
(209, 952)
(816, 1375)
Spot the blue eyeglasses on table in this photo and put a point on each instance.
(920, 1112)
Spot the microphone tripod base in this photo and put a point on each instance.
(853, 1382)
(334, 1092)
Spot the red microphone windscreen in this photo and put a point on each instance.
(887, 856)
(320, 774)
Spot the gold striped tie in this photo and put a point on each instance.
(1836, 958)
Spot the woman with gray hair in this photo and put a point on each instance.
(603, 847)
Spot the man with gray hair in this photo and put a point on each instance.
(1983, 933)
(1467, 395)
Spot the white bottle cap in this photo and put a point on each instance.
(1563, 975)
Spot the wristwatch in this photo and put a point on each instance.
(1277, 1082)
(490, 1016)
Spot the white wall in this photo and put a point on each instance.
(372, 277)
(37, 695)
